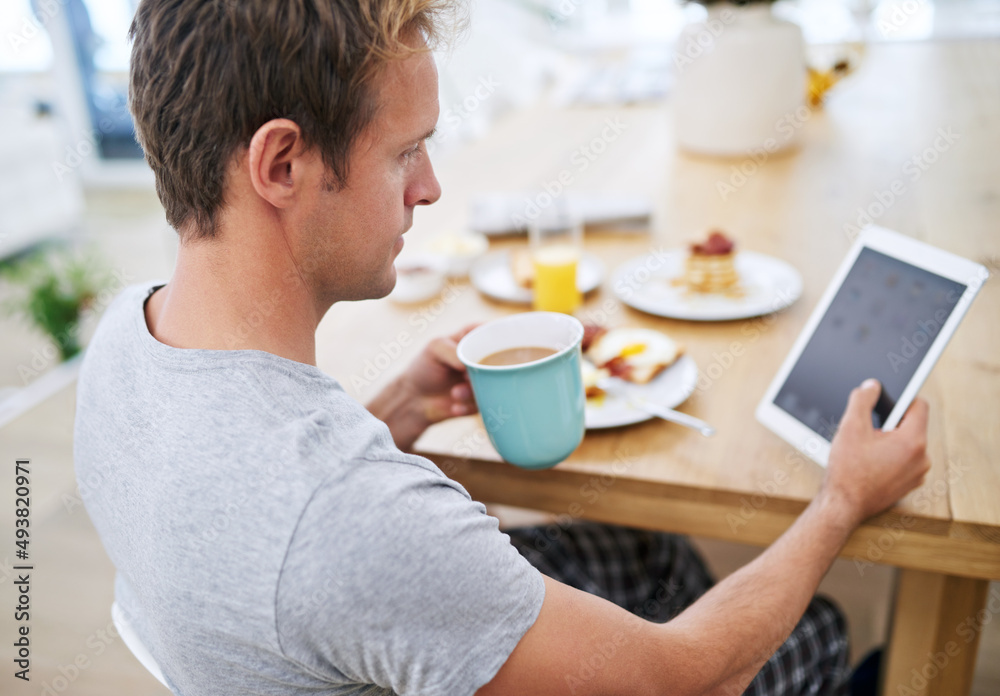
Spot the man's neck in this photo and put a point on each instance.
(226, 296)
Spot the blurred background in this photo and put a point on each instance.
(79, 220)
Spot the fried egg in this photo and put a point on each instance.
(644, 352)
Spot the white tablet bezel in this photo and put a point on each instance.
(910, 251)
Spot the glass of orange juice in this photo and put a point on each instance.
(555, 239)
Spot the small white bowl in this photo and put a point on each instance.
(459, 251)
(418, 278)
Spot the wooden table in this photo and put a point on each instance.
(745, 484)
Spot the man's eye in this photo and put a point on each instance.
(411, 152)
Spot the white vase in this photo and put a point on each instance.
(740, 82)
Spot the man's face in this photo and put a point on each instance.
(352, 236)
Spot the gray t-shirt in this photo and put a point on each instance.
(271, 539)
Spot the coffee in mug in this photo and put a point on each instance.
(516, 356)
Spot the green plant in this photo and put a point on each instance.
(52, 287)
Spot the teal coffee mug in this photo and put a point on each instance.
(534, 410)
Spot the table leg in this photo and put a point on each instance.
(936, 625)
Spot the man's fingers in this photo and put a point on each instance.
(445, 351)
(438, 408)
(460, 334)
(914, 423)
(461, 392)
(862, 401)
(463, 409)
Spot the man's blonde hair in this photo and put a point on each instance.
(206, 74)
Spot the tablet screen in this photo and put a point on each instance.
(881, 323)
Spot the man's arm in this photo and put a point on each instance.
(582, 645)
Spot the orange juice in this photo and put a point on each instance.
(555, 279)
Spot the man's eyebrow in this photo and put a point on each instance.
(425, 136)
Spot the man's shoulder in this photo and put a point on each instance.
(213, 414)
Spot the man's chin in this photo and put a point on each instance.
(386, 287)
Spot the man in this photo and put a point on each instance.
(271, 535)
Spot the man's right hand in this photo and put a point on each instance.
(721, 641)
(869, 470)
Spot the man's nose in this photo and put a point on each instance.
(425, 189)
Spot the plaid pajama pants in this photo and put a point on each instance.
(656, 575)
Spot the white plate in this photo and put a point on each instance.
(769, 284)
(491, 276)
(419, 287)
(669, 388)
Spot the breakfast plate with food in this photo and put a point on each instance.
(508, 275)
(644, 365)
(709, 281)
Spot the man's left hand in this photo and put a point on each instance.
(434, 387)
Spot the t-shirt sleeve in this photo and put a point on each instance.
(395, 577)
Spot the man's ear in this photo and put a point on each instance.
(278, 161)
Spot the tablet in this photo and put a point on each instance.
(888, 313)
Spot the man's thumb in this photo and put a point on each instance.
(863, 400)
